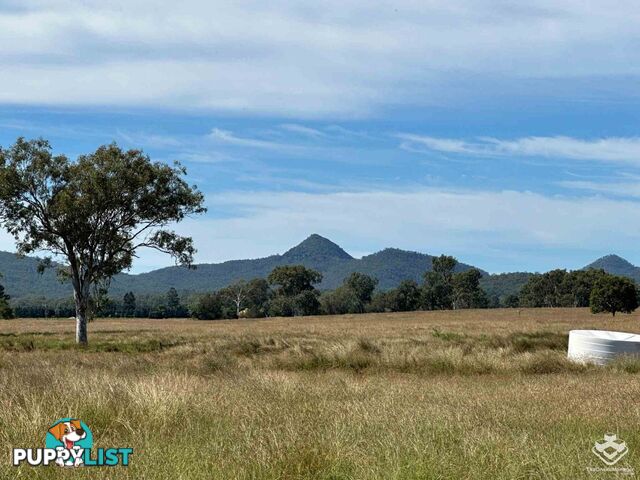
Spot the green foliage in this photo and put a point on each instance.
(5, 309)
(340, 301)
(512, 301)
(467, 292)
(503, 285)
(295, 293)
(362, 286)
(129, 304)
(438, 286)
(406, 297)
(173, 306)
(305, 303)
(247, 299)
(293, 279)
(281, 306)
(613, 294)
(354, 296)
(257, 298)
(559, 288)
(208, 307)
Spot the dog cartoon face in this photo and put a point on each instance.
(68, 432)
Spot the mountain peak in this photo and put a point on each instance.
(616, 265)
(611, 261)
(316, 247)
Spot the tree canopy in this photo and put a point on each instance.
(294, 279)
(296, 293)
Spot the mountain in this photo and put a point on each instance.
(390, 266)
(20, 277)
(616, 266)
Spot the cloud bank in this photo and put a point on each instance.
(348, 58)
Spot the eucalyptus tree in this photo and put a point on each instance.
(93, 214)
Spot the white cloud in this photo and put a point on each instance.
(612, 149)
(417, 143)
(303, 130)
(330, 58)
(229, 138)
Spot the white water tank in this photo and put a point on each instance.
(600, 346)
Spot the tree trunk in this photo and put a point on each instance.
(82, 309)
(81, 328)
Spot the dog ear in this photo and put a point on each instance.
(76, 423)
(57, 430)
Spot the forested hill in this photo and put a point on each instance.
(390, 266)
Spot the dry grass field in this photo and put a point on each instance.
(437, 395)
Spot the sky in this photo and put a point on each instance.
(504, 133)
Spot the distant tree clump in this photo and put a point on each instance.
(438, 284)
(94, 213)
(362, 287)
(174, 307)
(512, 301)
(129, 304)
(406, 297)
(613, 294)
(257, 303)
(246, 299)
(467, 292)
(5, 309)
(295, 293)
(208, 307)
(353, 296)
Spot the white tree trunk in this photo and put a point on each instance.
(81, 296)
(81, 327)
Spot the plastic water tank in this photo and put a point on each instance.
(600, 346)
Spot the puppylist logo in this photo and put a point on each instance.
(69, 443)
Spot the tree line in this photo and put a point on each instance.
(291, 291)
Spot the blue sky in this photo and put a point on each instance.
(505, 135)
